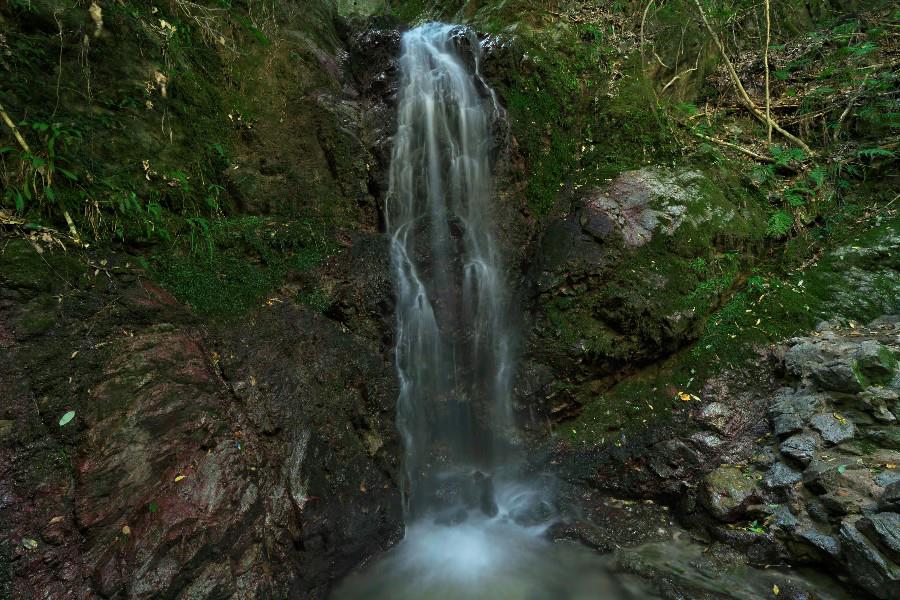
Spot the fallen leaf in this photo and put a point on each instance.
(685, 397)
(29, 543)
(179, 478)
(775, 589)
(56, 520)
(66, 418)
(126, 530)
(74, 354)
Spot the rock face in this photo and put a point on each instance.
(253, 460)
(630, 273)
(833, 474)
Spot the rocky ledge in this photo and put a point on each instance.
(822, 487)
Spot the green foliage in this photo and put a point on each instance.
(779, 224)
(226, 266)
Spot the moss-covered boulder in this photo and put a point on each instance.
(630, 273)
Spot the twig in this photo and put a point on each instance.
(15, 130)
(744, 97)
(766, 61)
(643, 19)
(59, 73)
(853, 99)
(685, 72)
(741, 149)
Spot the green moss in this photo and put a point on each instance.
(236, 263)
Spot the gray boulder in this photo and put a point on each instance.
(868, 567)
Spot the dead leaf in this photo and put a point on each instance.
(775, 589)
(56, 520)
(179, 478)
(126, 530)
(684, 396)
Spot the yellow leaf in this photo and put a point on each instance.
(179, 478)
(126, 530)
(685, 397)
(775, 589)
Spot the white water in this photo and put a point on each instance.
(453, 349)
(474, 524)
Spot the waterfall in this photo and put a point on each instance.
(453, 344)
(475, 524)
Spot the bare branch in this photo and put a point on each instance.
(742, 92)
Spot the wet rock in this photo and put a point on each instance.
(822, 542)
(728, 492)
(715, 415)
(790, 411)
(884, 530)
(868, 567)
(833, 430)
(880, 402)
(801, 447)
(706, 440)
(874, 363)
(886, 478)
(783, 518)
(890, 500)
(781, 476)
(828, 365)
(638, 204)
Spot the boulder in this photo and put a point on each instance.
(727, 492)
(801, 447)
(716, 416)
(884, 530)
(833, 429)
(868, 567)
(790, 411)
(781, 476)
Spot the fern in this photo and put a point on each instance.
(872, 153)
(779, 225)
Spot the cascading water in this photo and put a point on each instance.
(474, 524)
(453, 346)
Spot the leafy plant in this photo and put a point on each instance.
(779, 224)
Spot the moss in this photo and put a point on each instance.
(236, 263)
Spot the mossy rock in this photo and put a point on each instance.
(631, 273)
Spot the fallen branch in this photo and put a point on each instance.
(15, 130)
(853, 99)
(766, 61)
(741, 149)
(643, 19)
(742, 92)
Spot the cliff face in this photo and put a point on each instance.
(236, 439)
